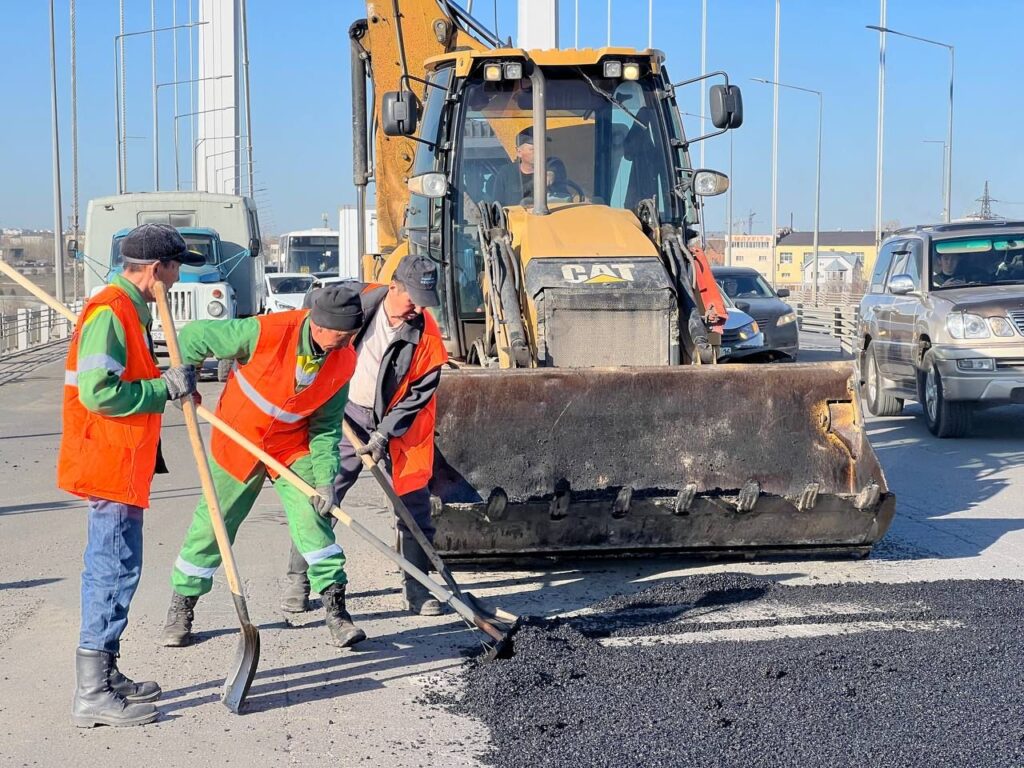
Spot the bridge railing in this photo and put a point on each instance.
(24, 329)
(838, 320)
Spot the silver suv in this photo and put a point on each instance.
(943, 322)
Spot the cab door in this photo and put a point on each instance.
(876, 307)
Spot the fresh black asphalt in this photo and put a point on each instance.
(950, 695)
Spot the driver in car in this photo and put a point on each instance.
(945, 266)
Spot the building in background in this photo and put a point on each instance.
(837, 270)
(795, 249)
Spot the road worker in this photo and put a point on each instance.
(391, 409)
(286, 393)
(114, 396)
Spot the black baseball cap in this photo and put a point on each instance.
(419, 276)
(148, 243)
(525, 136)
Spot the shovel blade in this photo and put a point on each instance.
(247, 658)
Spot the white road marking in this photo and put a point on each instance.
(779, 632)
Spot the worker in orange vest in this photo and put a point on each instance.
(391, 408)
(286, 393)
(114, 396)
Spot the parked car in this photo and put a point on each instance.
(285, 290)
(752, 294)
(942, 322)
(742, 339)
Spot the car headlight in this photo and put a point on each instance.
(786, 319)
(967, 326)
(215, 309)
(1001, 326)
(748, 331)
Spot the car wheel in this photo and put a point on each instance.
(879, 402)
(944, 418)
(224, 369)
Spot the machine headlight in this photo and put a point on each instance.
(1001, 326)
(967, 326)
(786, 319)
(215, 309)
(631, 71)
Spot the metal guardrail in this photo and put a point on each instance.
(25, 329)
(840, 321)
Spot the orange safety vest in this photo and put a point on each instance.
(412, 454)
(260, 400)
(109, 457)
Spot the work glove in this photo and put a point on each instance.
(376, 446)
(326, 498)
(180, 381)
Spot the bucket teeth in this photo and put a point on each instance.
(497, 505)
(749, 494)
(868, 497)
(684, 499)
(560, 501)
(809, 497)
(622, 501)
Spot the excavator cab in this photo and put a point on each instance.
(584, 411)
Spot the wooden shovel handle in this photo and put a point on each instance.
(198, 450)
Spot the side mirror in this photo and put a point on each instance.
(726, 106)
(901, 285)
(73, 249)
(782, 293)
(709, 183)
(255, 246)
(400, 112)
(743, 306)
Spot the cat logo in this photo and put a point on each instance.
(597, 273)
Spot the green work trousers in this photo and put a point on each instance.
(312, 535)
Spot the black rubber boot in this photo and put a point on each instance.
(296, 591)
(344, 633)
(418, 600)
(95, 702)
(178, 628)
(147, 690)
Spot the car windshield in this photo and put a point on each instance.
(745, 287)
(977, 261)
(205, 245)
(289, 284)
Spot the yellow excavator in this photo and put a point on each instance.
(584, 412)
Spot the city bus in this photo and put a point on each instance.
(310, 250)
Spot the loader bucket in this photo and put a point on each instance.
(611, 460)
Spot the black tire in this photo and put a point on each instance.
(879, 402)
(945, 418)
(224, 369)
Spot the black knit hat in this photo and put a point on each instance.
(148, 243)
(338, 308)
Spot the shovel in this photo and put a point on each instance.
(501, 647)
(494, 614)
(248, 654)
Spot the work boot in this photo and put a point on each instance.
(96, 703)
(130, 690)
(418, 600)
(178, 628)
(296, 590)
(344, 633)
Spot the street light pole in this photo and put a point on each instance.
(880, 137)
(949, 128)
(817, 175)
(775, 142)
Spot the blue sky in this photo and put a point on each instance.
(301, 112)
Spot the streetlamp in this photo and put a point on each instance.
(945, 202)
(949, 130)
(156, 90)
(817, 179)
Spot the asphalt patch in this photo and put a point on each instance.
(928, 674)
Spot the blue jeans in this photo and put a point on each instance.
(113, 564)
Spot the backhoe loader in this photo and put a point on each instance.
(584, 412)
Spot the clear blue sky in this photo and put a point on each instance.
(301, 112)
